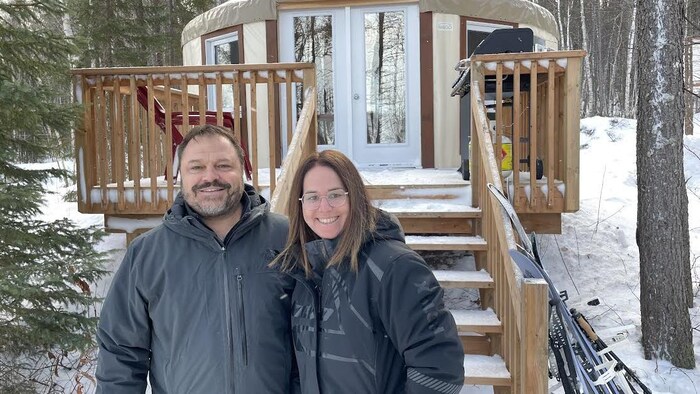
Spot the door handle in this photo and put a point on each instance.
(356, 96)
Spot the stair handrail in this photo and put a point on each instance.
(520, 304)
(303, 143)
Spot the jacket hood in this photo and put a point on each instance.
(388, 227)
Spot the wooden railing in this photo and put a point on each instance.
(303, 144)
(541, 117)
(133, 119)
(521, 304)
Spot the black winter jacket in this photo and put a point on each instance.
(196, 314)
(381, 330)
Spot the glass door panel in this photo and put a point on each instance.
(385, 76)
(385, 86)
(313, 43)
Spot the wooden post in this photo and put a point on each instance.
(169, 144)
(517, 111)
(118, 153)
(572, 132)
(135, 143)
(101, 134)
(253, 149)
(85, 147)
(533, 133)
(152, 136)
(550, 134)
(272, 134)
(310, 82)
(288, 104)
(535, 306)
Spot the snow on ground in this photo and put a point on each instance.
(594, 257)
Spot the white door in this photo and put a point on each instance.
(367, 61)
(385, 86)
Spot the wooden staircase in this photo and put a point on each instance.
(439, 217)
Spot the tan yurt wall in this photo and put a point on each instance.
(550, 42)
(230, 13)
(255, 51)
(446, 41)
(192, 52)
(519, 11)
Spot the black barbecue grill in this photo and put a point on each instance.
(499, 41)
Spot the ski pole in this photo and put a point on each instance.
(586, 327)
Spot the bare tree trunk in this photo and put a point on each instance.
(662, 212)
(630, 80)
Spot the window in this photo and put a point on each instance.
(222, 50)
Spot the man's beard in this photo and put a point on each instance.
(215, 208)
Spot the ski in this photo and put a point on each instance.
(585, 364)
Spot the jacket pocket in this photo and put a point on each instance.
(241, 318)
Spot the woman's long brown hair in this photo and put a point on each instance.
(362, 217)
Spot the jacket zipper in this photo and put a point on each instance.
(229, 331)
(241, 317)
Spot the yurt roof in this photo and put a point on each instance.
(235, 12)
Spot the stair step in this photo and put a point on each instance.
(460, 212)
(486, 370)
(481, 321)
(446, 242)
(454, 220)
(449, 188)
(464, 279)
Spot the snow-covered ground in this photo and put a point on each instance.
(595, 256)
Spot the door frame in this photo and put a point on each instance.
(345, 74)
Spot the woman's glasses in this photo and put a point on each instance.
(312, 201)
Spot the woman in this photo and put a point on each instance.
(368, 315)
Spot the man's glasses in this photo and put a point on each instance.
(312, 201)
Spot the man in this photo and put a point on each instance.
(194, 305)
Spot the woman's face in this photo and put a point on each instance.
(325, 202)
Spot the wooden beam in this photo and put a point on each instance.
(427, 123)
(541, 223)
(535, 306)
(572, 133)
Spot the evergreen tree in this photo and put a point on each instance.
(120, 33)
(45, 267)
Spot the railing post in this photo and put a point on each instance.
(84, 146)
(310, 81)
(572, 132)
(474, 154)
(534, 337)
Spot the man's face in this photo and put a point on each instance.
(211, 176)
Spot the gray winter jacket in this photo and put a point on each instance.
(197, 315)
(383, 329)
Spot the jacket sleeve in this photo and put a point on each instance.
(424, 332)
(123, 335)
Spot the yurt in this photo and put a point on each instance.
(384, 68)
